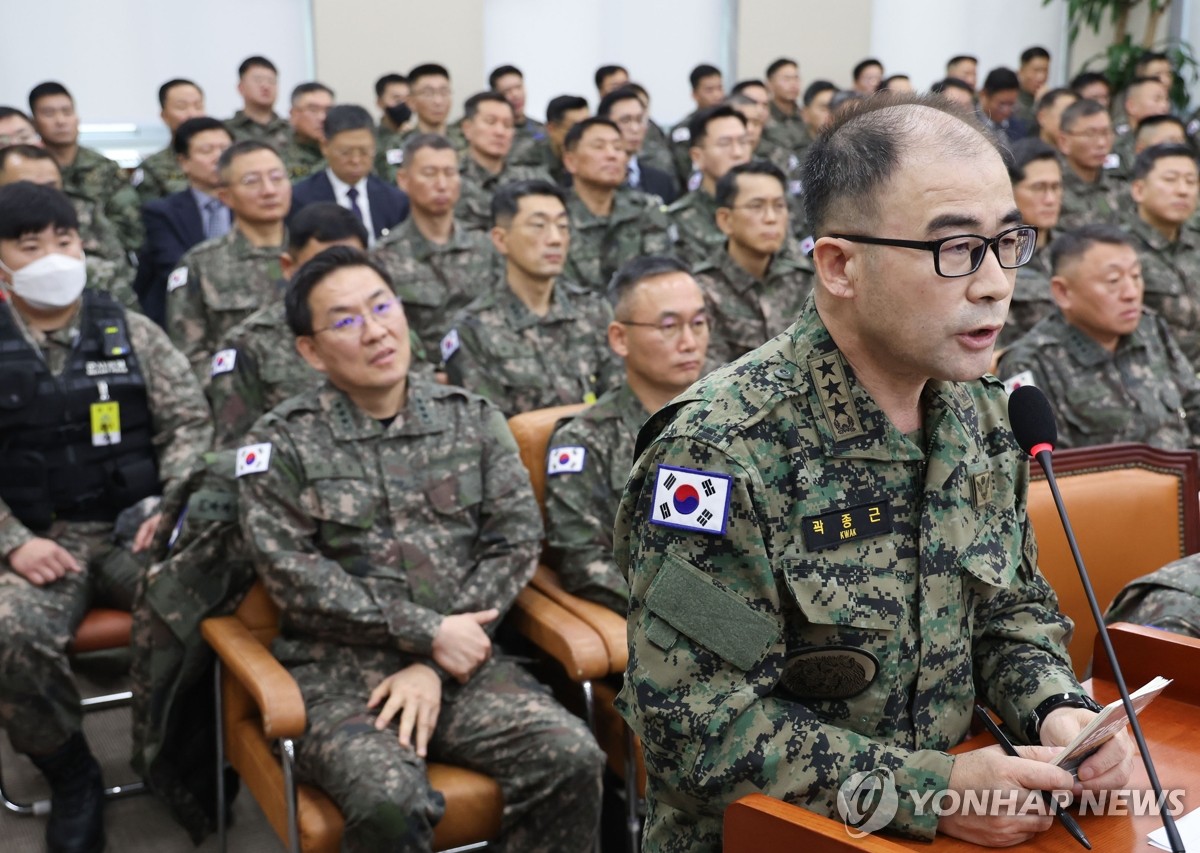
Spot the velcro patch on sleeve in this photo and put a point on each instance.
(718, 619)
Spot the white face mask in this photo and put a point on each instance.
(51, 282)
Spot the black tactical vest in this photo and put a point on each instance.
(53, 463)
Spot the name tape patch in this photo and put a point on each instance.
(691, 500)
(830, 529)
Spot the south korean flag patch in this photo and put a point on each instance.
(253, 459)
(691, 500)
(223, 362)
(450, 344)
(565, 460)
(177, 279)
(1012, 383)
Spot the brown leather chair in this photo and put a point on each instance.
(1133, 508)
(259, 704)
(102, 629)
(532, 431)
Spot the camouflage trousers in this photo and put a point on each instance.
(502, 723)
(39, 703)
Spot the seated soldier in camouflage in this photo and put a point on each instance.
(719, 142)
(754, 289)
(1165, 190)
(1093, 187)
(828, 551)
(101, 416)
(509, 81)
(258, 85)
(302, 154)
(393, 524)
(438, 263)
(223, 281)
(487, 127)
(1111, 369)
(85, 172)
(562, 113)
(1036, 176)
(533, 340)
(610, 223)
(108, 266)
(159, 175)
(708, 90)
(257, 366)
(661, 332)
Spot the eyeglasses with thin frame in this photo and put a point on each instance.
(963, 254)
(670, 328)
(352, 324)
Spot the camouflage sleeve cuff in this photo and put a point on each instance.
(919, 779)
(13, 534)
(413, 626)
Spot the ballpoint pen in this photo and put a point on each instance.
(1067, 820)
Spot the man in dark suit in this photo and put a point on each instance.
(625, 108)
(176, 223)
(349, 151)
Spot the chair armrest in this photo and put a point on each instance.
(609, 625)
(565, 637)
(251, 663)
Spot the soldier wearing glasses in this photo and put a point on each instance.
(826, 541)
(661, 332)
(753, 291)
(222, 281)
(393, 524)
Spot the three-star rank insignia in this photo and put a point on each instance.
(829, 378)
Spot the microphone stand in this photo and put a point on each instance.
(1041, 453)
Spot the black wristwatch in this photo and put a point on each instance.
(1033, 728)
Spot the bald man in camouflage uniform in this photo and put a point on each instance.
(383, 540)
(824, 580)
(662, 335)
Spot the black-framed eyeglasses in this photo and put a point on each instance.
(963, 254)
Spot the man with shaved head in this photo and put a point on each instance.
(826, 540)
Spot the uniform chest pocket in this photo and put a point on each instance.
(455, 494)
(852, 597)
(425, 291)
(231, 299)
(344, 503)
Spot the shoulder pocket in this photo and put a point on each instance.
(720, 620)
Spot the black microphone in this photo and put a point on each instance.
(1034, 428)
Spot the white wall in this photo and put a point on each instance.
(916, 37)
(358, 41)
(558, 44)
(113, 55)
